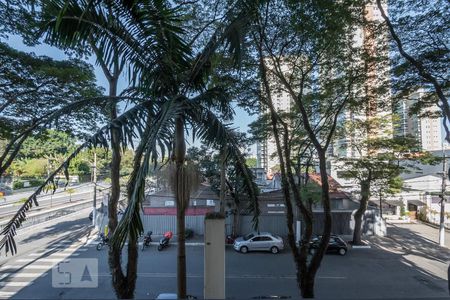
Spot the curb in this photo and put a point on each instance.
(361, 247)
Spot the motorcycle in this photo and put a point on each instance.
(147, 240)
(104, 241)
(164, 242)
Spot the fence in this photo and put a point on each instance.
(342, 223)
(161, 224)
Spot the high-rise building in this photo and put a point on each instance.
(267, 156)
(377, 109)
(426, 127)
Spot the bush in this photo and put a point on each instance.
(402, 210)
(422, 214)
(33, 182)
(17, 185)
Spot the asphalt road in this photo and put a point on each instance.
(47, 201)
(383, 272)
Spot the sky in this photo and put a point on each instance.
(241, 120)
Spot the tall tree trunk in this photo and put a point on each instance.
(365, 194)
(222, 180)
(120, 284)
(381, 205)
(182, 197)
(308, 280)
(128, 293)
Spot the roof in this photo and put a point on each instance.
(334, 185)
(204, 191)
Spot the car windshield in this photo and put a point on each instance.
(248, 236)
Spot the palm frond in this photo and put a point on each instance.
(157, 136)
(130, 121)
(146, 35)
(218, 135)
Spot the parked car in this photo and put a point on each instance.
(262, 241)
(335, 245)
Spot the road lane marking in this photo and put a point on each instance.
(15, 284)
(30, 267)
(23, 275)
(230, 276)
(39, 259)
(6, 294)
(61, 254)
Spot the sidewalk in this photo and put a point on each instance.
(423, 230)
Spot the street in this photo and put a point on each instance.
(389, 270)
(10, 204)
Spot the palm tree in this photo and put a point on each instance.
(149, 37)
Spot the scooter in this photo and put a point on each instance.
(104, 241)
(147, 240)
(164, 242)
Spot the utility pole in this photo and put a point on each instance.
(94, 180)
(444, 186)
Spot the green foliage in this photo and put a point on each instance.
(403, 210)
(33, 182)
(312, 193)
(251, 162)
(423, 214)
(31, 86)
(48, 144)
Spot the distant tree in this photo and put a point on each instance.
(378, 163)
(251, 162)
(49, 143)
(306, 53)
(33, 93)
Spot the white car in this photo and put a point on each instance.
(262, 241)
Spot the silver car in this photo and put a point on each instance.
(262, 241)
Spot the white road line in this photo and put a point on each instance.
(23, 275)
(40, 260)
(15, 284)
(30, 267)
(62, 250)
(6, 294)
(62, 254)
(62, 246)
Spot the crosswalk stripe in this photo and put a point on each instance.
(63, 246)
(62, 250)
(15, 284)
(23, 275)
(30, 267)
(55, 254)
(40, 260)
(6, 294)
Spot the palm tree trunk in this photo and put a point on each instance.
(365, 194)
(222, 182)
(182, 198)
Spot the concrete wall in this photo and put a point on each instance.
(161, 224)
(214, 259)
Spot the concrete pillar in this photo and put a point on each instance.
(214, 265)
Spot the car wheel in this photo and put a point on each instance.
(99, 246)
(244, 249)
(342, 251)
(274, 250)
